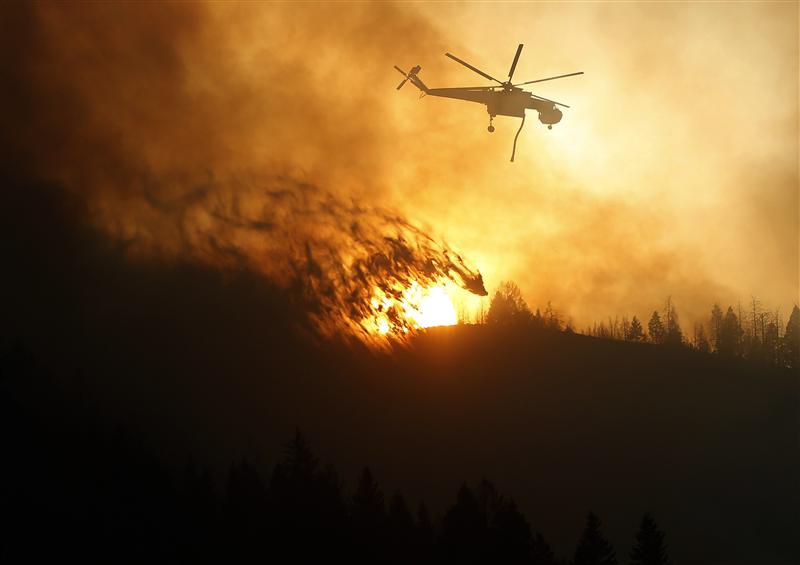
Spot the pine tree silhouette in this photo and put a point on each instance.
(369, 520)
(464, 530)
(649, 548)
(306, 504)
(245, 510)
(791, 339)
(199, 541)
(368, 504)
(672, 329)
(635, 332)
(299, 462)
(508, 306)
(425, 536)
(593, 548)
(541, 554)
(730, 334)
(701, 341)
(717, 321)
(656, 328)
(402, 532)
(511, 537)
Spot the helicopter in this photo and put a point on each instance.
(503, 99)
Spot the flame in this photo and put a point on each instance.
(357, 271)
(435, 309)
(399, 312)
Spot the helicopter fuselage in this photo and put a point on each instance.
(503, 99)
(500, 102)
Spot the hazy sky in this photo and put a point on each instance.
(675, 171)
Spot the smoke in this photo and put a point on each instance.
(176, 123)
(187, 140)
(337, 257)
(674, 171)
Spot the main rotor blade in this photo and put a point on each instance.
(401, 71)
(480, 72)
(548, 100)
(466, 89)
(550, 78)
(514, 64)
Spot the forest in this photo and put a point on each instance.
(145, 404)
(72, 490)
(753, 333)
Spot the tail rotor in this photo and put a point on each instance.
(399, 70)
(412, 76)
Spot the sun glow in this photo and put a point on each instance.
(435, 309)
(412, 308)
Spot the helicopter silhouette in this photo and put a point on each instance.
(504, 99)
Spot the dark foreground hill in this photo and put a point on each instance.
(195, 363)
(562, 423)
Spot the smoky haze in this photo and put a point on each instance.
(172, 122)
(675, 171)
(185, 144)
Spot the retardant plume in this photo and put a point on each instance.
(180, 152)
(136, 106)
(362, 271)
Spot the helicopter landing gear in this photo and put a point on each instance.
(550, 126)
(490, 129)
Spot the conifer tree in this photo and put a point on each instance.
(791, 339)
(672, 328)
(538, 320)
(635, 332)
(464, 530)
(245, 508)
(552, 319)
(293, 485)
(399, 515)
(508, 306)
(716, 326)
(299, 462)
(368, 504)
(593, 548)
(771, 343)
(541, 554)
(511, 534)
(402, 534)
(425, 535)
(701, 341)
(369, 520)
(650, 548)
(306, 502)
(731, 334)
(656, 328)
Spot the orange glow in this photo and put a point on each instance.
(436, 309)
(412, 308)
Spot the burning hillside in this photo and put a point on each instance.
(360, 271)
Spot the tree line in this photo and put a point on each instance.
(72, 487)
(508, 307)
(751, 332)
(302, 511)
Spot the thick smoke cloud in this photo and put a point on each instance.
(674, 171)
(185, 144)
(339, 257)
(158, 117)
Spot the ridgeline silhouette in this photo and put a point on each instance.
(211, 368)
(71, 489)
